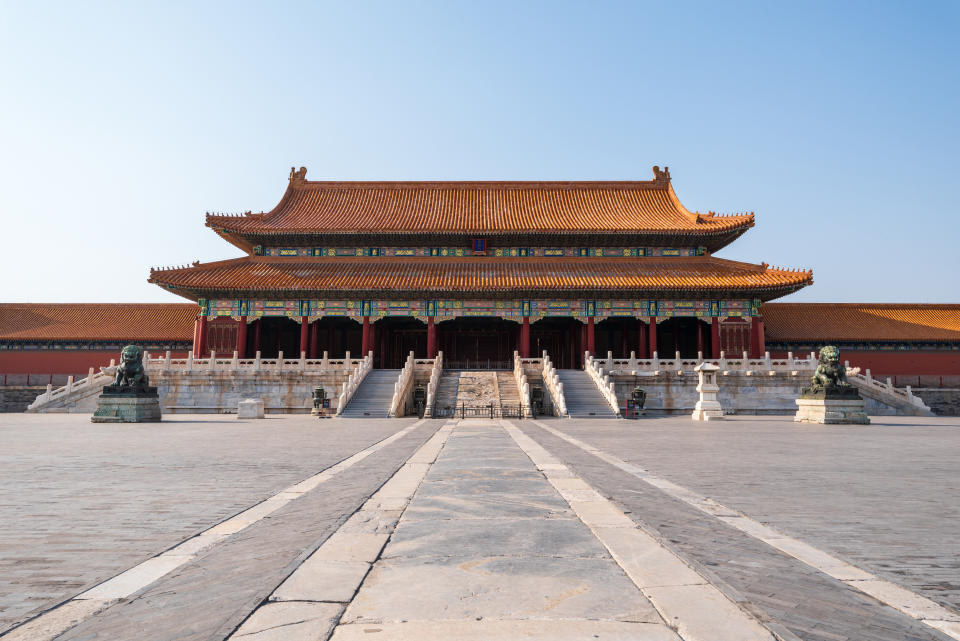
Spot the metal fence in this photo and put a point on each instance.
(491, 410)
(468, 364)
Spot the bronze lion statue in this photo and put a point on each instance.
(130, 370)
(830, 374)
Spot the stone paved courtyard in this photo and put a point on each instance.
(478, 529)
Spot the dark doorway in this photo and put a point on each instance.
(337, 335)
(395, 337)
(618, 335)
(277, 334)
(683, 335)
(476, 342)
(561, 338)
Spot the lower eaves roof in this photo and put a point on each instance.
(487, 276)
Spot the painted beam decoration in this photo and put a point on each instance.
(508, 309)
(461, 252)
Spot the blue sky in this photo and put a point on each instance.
(121, 124)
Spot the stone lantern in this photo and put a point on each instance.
(708, 407)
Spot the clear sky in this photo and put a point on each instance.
(836, 122)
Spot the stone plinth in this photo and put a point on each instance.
(832, 408)
(831, 411)
(250, 408)
(122, 404)
(708, 408)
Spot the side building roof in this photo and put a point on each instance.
(97, 321)
(629, 209)
(861, 322)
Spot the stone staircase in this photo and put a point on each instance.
(583, 398)
(507, 390)
(447, 389)
(373, 396)
(901, 401)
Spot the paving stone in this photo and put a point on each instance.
(486, 564)
(319, 579)
(210, 596)
(271, 622)
(539, 630)
(493, 537)
(82, 502)
(776, 587)
(883, 497)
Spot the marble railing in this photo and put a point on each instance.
(402, 388)
(551, 380)
(435, 373)
(255, 364)
(522, 385)
(601, 377)
(356, 377)
(766, 364)
(885, 391)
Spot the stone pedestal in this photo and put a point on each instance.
(122, 404)
(708, 408)
(832, 408)
(250, 408)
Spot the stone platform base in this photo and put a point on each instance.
(707, 415)
(127, 409)
(830, 411)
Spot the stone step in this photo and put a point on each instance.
(373, 396)
(583, 398)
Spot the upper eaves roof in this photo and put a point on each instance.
(480, 208)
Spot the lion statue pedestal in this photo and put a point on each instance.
(130, 399)
(830, 399)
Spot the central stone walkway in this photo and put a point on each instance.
(488, 547)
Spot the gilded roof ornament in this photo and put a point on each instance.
(298, 175)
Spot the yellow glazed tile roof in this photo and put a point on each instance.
(549, 277)
(97, 321)
(487, 208)
(818, 322)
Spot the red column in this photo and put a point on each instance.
(256, 335)
(591, 343)
(242, 338)
(583, 341)
(304, 335)
(699, 337)
(643, 347)
(525, 338)
(758, 344)
(652, 334)
(715, 344)
(431, 338)
(200, 337)
(315, 339)
(366, 345)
